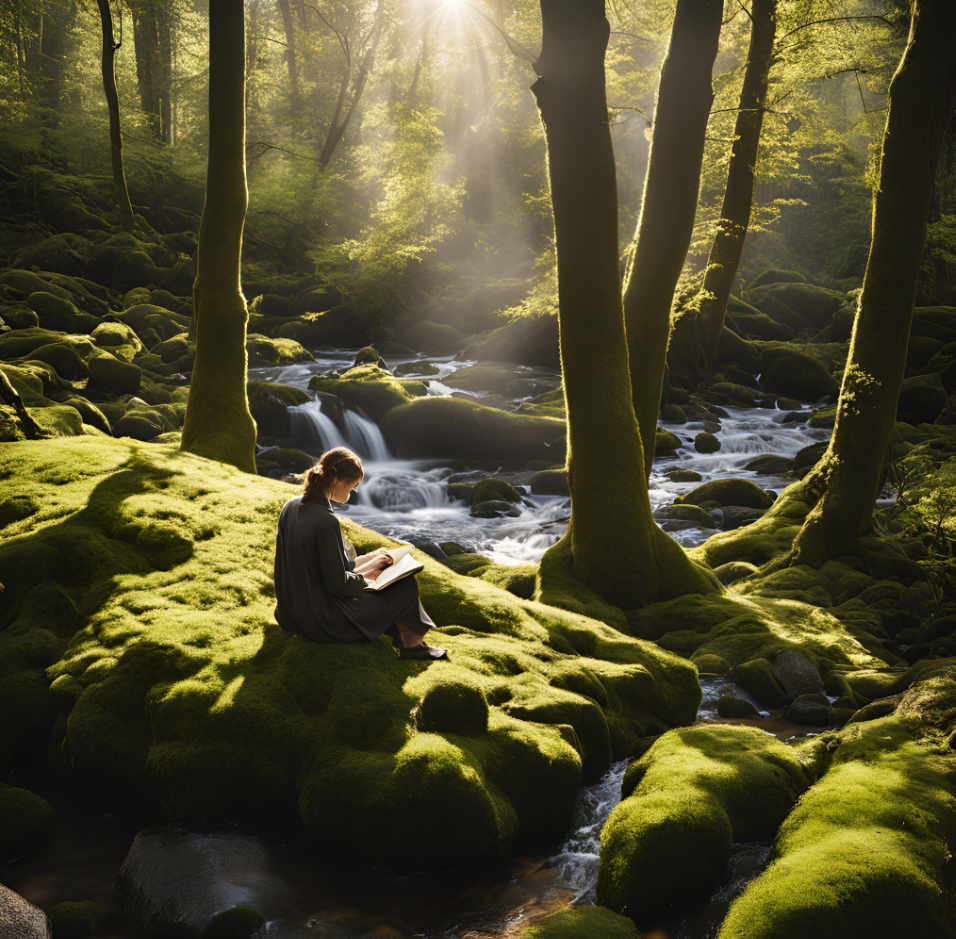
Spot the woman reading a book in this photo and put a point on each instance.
(322, 588)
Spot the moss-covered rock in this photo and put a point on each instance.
(78, 920)
(68, 358)
(787, 371)
(776, 276)
(269, 403)
(706, 443)
(57, 313)
(729, 706)
(582, 922)
(416, 369)
(492, 489)
(264, 350)
(110, 374)
(665, 441)
(370, 388)
(687, 800)
(454, 707)
(740, 492)
(758, 678)
(26, 822)
(550, 482)
(867, 850)
(145, 574)
(449, 427)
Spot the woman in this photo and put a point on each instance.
(320, 589)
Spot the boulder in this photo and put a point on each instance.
(665, 441)
(484, 377)
(78, 920)
(757, 678)
(530, 340)
(686, 513)
(371, 389)
(730, 706)
(799, 306)
(269, 403)
(492, 488)
(808, 456)
(739, 492)
(582, 922)
(673, 413)
(550, 482)
(26, 823)
(454, 707)
(706, 443)
(175, 880)
(683, 476)
(20, 919)
(797, 674)
(786, 371)
(112, 375)
(770, 464)
(416, 370)
(921, 400)
(709, 664)
(24, 318)
(68, 358)
(776, 276)
(733, 571)
(493, 508)
(56, 313)
(813, 710)
(465, 430)
(140, 423)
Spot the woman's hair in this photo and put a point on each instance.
(338, 465)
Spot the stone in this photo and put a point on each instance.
(494, 508)
(812, 710)
(112, 375)
(789, 372)
(686, 513)
(757, 678)
(770, 464)
(78, 920)
(737, 516)
(683, 476)
(24, 318)
(797, 674)
(550, 482)
(706, 443)
(740, 492)
(673, 413)
(454, 707)
(730, 706)
(20, 919)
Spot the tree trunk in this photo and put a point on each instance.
(616, 547)
(218, 423)
(55, 25)
(670, 203)
(288, 24)
(153, 40)
(112, 103)
(165, 82)
(922, 99)
(11, 396)
(21, 65)
(738, 196)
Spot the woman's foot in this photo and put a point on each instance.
(422, 651)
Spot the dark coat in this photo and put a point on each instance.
(317, 592)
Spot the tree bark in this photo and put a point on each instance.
(11, 396)
(671, 186)
(218, 423)
(55, 25)
(288, 24)
(922, 99)
(152, 37)
(617, 548)
(738, 197)
(112, 103)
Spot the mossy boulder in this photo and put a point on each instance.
(729, 706)
(493, 489)
(485, 377)
(26, 822)
(367, 356)
(57, 313)
(740, 492)
(686, 513)
(269, 403)
(758, 678)
(145, 575)
(787, 371)
(582, 922)
(78, 920)
(799, 306)
(686, 801)
(263, 350)
(454, 707)
(665, 441)
(708, 664)
(550, 482)
(370, 388)
(416, 370)
(921, 400)
(58, 420)
(110, 374)
(776, 276)
(866, 852)
(449, 427)
(706, 443)
(23, 318)
(69, 358)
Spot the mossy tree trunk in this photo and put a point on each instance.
(218, 423)
(616, 547)
(112, 102)
(11, 397)
(922, 99)
(669, 205)
(738, 196)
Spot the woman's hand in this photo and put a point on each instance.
(375, 566)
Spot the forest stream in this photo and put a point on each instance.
(303, 894)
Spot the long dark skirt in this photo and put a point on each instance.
(380, 610)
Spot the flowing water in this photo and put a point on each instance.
(409, 500)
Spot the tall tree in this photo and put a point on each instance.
(616, 547)
(738, 196)
(288, 25)
(55, 24)
(110, 47)
(218, 423)
(922, 100)
(671, 186)
(152, 36)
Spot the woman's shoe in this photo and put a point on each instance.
(423, 651)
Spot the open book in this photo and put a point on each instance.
(402, 565)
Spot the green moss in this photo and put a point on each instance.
(550, 482)
(269, 403)
(78, 920)
(866, 852)
(370, 388)
(451, 427)
(582, 922)
(491, 489)
(263, 350)
(58, 420)
(110, 374)
(183, 687)
(787, 371)
(776, 276)
(665, 441)
(728, 492)
(730, 707)
(454, 707)
(757, 678)
(367, 356)
(239, 922)
(26, 822)
(687, 800)
(709, 664)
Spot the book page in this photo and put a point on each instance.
(402, 567)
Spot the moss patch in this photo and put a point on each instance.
(582, 922)
(139, 580)
(370, 388)
(687, 800)
(26, 822)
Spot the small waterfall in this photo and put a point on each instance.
(366, 438)
(313, 429)
(396, 489)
